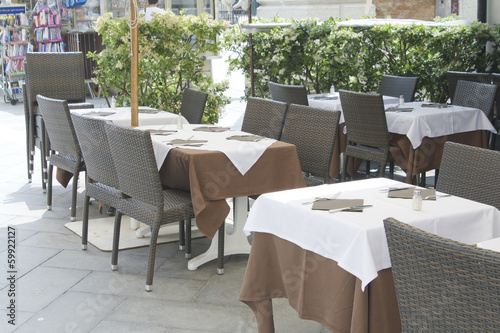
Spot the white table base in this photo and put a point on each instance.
(235, 241)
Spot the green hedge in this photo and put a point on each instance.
(172, 51)
(319, 54)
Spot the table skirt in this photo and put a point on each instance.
(317, 288)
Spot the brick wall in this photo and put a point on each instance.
(406, 9)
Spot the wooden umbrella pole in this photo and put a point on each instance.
(250, 43)
(134, 76)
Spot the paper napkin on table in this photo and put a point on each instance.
(211, 129)
(181, 142)
(398, 109)
(408, 193)
(338, 204)
(99, 113)
(246, 137)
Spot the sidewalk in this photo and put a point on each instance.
(61, 288)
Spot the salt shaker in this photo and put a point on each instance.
(332, 90)
(401, 100)
(417, 200)
(179, 121)
(113, 103)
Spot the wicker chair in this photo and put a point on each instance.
(495, 79)
(470, 172)
(288, 93)
(65, 152)
(396, 86)
(193, 105)
(53, 75)
(313, 131)
(367, 134)
(453, 77)
(264, 117)
(476, 95)
(142, 196)
(443, 285)
(102, 180)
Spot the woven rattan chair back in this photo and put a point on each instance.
(59, 126)
(313, 131)
(288, 93)
(193, 105)
(470, 172)
(264, 117)
(453, 78)
(56, 75)
(138, 177)
(367, 134)
(495, 79)
(95, 149)
(443, 285)
(391, 85)
(65, 150)
(476, 95)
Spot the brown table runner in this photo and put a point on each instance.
(317, 288)
(211, 178)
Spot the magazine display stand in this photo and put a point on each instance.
(14, 39)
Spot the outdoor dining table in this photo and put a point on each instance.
(417, 136)
(334, 268)
(230, 164)
(121, 116)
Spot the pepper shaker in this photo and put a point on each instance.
(401, 100)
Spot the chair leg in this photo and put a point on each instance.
(155, 229)
(182, 243)
(49, 187)
(44, 155)
(85, 222)
(74, 194)
(188, 237)
(116, 241)
(436, 174)
(391, 169)
(220, 252)
(344, 167)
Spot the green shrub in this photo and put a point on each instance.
(172, 50)
(319, 54)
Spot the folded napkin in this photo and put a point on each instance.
(398, 109)
(192, 143)
(252, 138)
(148, 110)
(338, 204)
(408, 193)
(326, 97)
(160, 132)
(435, 105)
(99, 113)
(211, 129)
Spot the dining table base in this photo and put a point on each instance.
(317, 288)
(234, 242)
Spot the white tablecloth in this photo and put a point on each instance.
(122, 115)
(356, 240)
(243, 154)
(322, 102)
(433, 122)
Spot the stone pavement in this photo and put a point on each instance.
(60, 288)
